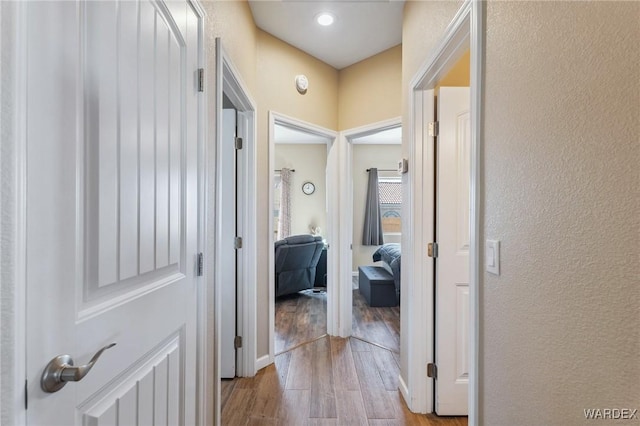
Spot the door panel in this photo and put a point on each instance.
(147, 393)
(116, 159)
(112, 208)
(452, 233)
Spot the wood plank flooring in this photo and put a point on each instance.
(376, 325)
(330, 381)
(300, 318)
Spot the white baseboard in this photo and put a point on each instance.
(263, 361)
(404, 390)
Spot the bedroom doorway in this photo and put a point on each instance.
(375, 146)
(376, 233)
(299, 231)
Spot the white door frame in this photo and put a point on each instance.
(333, 257)
(346, 137)
(13, 158)
(229, 82)
(465, 31)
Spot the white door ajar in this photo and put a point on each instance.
(227, 254)
(452, 265)
(112, 210)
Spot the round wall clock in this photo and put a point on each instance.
(308, 188)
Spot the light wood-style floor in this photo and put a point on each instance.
(331, 381)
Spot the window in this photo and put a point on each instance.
(390, 189)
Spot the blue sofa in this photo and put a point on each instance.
(296, 258)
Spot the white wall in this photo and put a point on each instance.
(363, 158)
(310, 164)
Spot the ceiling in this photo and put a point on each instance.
(362, 28)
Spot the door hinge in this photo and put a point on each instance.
(237, 342)
(26, 395)
(200, 265)
(238, 143)
(434, 128)
(200, 79)
(432, 250)
(432, 370)
(237, 243)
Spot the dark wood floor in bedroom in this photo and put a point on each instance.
(377, 325)
(331, 381)
(302, 317)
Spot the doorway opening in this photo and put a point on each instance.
(300, 232)
(234, 221)
(423, 232)
(300, 247)
(376, 205)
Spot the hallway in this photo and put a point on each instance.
(331, 381)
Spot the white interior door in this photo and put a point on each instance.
(452, 266)
(244, 359)
(112, 209)
(228, 254)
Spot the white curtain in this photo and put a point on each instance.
(284, 224)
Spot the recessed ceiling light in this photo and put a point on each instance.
(325, 19)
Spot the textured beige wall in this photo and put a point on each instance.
(277, 65)
(233, 23)
(310, 164)
(369, 91)
(560, 325)
(424, 23)
(364, 157)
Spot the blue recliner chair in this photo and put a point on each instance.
(296, 258)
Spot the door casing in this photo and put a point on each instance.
(13, 206)
(464, 32)
(229, 81)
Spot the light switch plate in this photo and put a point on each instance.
(492, 257)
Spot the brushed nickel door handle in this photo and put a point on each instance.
(60, 370)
